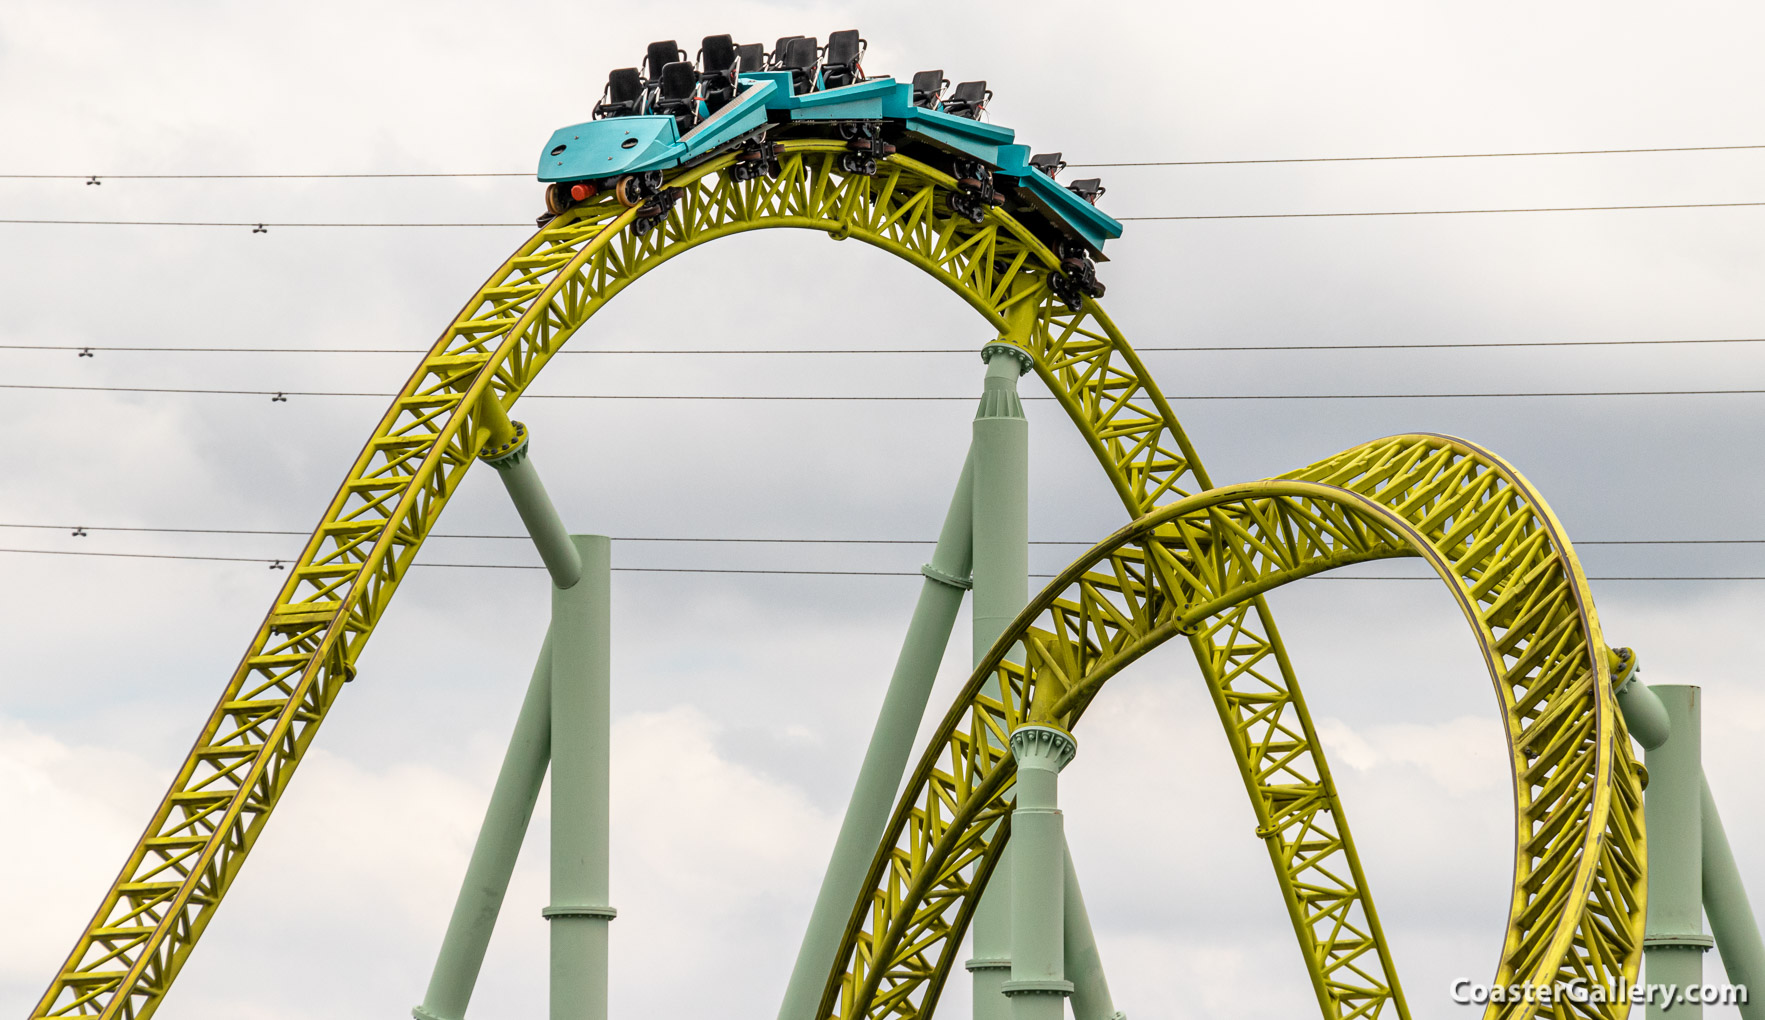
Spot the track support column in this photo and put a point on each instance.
(1038, 988)
(581, 760)
(1674, 942)
(1652, 722)
(891, 743)
(1084, 964)
(1001, 464)
(1731, 915)
(505, 448)
(493, 856)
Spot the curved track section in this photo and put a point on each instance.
(297, 662)
(1193, 569)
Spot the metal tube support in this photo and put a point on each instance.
(1674, 941)
(1038, 987)
(1731, 915)
(1000, 459)
(506, 449)
(493, 856)
(1644, 714)
(1084, 965)
(581, 726)
(885, 760)
(1001, 465)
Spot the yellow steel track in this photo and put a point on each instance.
(249, 746)
(1194, 569)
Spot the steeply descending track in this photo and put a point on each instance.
(246, 752)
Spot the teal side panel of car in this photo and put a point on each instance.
(1091, 223)
(624, 145)
(604, 148)
(745, 113)
(780, 96)
(862, 101)
(978, 139)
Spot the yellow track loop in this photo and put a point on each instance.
(251, 743)
(1193, 568)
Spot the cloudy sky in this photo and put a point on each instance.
(742, 701)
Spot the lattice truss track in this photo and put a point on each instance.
(1196, 569)
(249, 746)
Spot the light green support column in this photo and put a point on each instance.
(1731, 915)
(1084, 965)
(493, 857)
(1674, 941)
(1644, 714)
(524, 764)
(581, 726)
(507, 451)
(891, 742)
(1001, 459)
(1038, 987)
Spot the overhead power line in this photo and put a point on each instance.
(970, 351)
(1438, 155)
(260, 227)
(283, 395)
(282, 564)
(100, 178)
(80, 529)
(276, 564)
(95, 178)
(1443, 212)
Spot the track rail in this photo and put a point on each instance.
(1195, 569)
(125, 960)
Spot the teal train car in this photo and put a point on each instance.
(674, 112)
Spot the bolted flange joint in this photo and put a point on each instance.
(1042, 986)
(1623, 663)
(509, 453)
(1047, 748)
(1697, 940)
(960, 583)
(578, 911)
(1024, 361)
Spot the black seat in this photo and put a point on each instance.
(659, 56)
(969, 100)
(775, 59)
(677, 95)
(840, 60)
(1049, 163)
(717, 53)
(717, 71)
(928, 89)
(802, 58)
(1090, 189)
(750, 57)
(624, 94)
